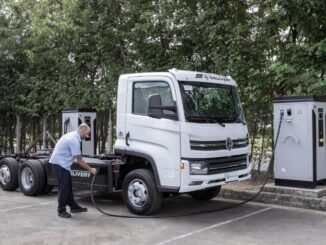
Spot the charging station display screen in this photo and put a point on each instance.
(211, 103)
(88, 122)
(320, 127)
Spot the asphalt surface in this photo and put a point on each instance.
(33, 220)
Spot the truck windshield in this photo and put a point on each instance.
(211, 103)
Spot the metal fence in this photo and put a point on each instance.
(260, 162)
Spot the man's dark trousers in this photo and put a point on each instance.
(66, 196)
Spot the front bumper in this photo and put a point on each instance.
(191, 183)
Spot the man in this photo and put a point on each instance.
(65, 152)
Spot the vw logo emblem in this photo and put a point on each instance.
(229, 144)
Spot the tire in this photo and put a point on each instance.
(31, 177)
(207, 194)
(47, 188)
(9, 174)
(141, 182)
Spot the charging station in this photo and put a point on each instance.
(300, 155)
(72, 118)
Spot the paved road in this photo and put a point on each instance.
(33, 220)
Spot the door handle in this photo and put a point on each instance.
(127, 137)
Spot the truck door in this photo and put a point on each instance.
(155, 138)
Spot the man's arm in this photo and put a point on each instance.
(84, 165)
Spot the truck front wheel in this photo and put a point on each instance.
(207, 194)
(140, 193)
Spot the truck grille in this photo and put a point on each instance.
(217, 145)
(227, 164)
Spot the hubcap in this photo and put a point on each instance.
(4, 174)
(137, 193)
(27, 178)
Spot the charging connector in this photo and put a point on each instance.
(281, 114)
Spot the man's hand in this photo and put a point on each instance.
(93, 171)
(84, 165)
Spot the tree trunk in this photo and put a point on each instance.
(104, 128)
(3, 140)
(110, 130)
(11, 134)
(18, 133)
(262, 147)
(44, 142)
(60, 127)
(39, 130)
(253, 137)
(34, 132)
(5, 143)
(23, 133)
(54, 121)
(272, 156)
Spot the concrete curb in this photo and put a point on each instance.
(282, 199)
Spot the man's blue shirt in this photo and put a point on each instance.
(66, 149)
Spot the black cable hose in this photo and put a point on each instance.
(195, 212)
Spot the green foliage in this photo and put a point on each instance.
(67, 53)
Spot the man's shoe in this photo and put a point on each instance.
(78, 210)
(64, 214)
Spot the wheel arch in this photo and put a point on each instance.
(130, 154)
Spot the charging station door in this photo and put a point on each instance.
(300, 154)
(72, 118)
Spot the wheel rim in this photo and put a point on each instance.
(137, 193)
(4, 174)
(27, 178)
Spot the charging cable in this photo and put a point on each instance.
(203, 211)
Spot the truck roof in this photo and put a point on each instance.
(183, 75)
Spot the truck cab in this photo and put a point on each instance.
(179, 132)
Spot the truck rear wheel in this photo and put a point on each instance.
(47, 188)
(31, 177)
(9, 174)
(140, 193)
(207, 194)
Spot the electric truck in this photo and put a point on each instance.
(177, 132)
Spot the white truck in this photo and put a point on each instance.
(177, 132)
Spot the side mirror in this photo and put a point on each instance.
(156, 109)
(155, 106)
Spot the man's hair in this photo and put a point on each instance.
(83, 126)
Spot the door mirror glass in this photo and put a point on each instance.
(157, 110)
(155, 105)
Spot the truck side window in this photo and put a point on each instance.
(141, 92)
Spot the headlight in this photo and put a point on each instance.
(199, 167)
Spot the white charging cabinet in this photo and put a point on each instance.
(300, 155)
(72, 118)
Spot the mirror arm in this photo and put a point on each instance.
(172, 117)
(154, 115)
(169, 108)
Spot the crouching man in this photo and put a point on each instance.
(65, 152)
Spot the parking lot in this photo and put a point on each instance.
(33, 220)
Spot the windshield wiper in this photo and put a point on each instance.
(239, 120)
(222, 124)
(206, 119)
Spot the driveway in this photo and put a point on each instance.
(33, 220)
